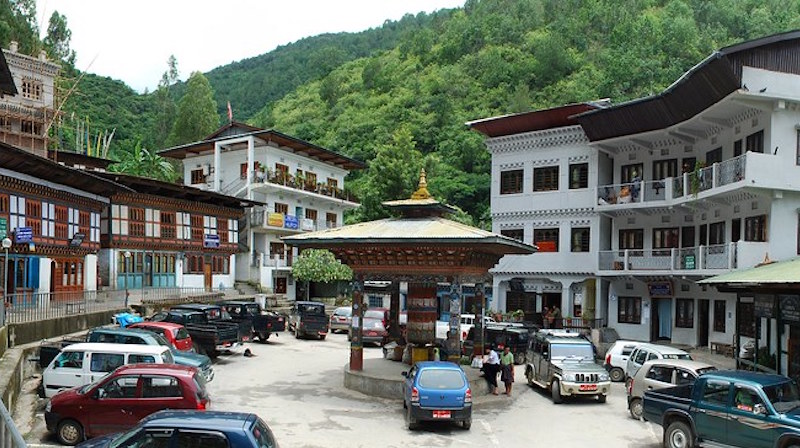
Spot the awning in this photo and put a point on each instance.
(785, 272)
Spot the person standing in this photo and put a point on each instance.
(507, 365)
(546, 317)
(555, 317)
(491, 367)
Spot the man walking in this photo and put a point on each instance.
(491, 367)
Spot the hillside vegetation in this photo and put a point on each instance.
(398, 96)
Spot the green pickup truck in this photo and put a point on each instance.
(728, 408)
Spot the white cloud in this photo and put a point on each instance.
(131, 40)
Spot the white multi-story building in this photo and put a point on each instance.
(300, 186)
(701, 179)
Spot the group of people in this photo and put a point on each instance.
(502, 364)
(551, 317)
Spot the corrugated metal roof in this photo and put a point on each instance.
(531, 121)
(781, 272)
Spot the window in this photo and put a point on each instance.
(197, 227)
(640, 357)
(719, 316)
(311, 181)
(755, 142)
(737, 146)
(580, 239)
(684, 313)
(222, 231)
(168, 225)
(198, 438)
(263, 435)
(281, 208)
(745, 399)
(120, 387)
(184, 227)
(755, 228)
(277, 249)
(233, 231)
(579, 176)
(311, 214)
(48, 220)
(331, 220)
(662, 374)
(704, 234)
(716, 233)
(31, 89)
(714, 156)
(333, 183)
(688, 164)
(736, 229)
(161, 387)
(33, 216)
(147, 359)
(687, 236)
(198, 177)
(375, 301)
(745, 316)
(72, 360)
(517, 234)
(243, 171)
(545, 179)
(152, 219)
(546, 239)
(665, 238)
(282, 172)
(511, 182)
(106, 362)
(716, 392)
(629, 310)
(663, 169)
(631, 239)
(628, 172)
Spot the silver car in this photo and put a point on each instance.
(341, 319)
(661, 373)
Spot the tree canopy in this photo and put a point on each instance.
(197, 112)
(319, 265)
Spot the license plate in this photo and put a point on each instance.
(441, 414)
(371, 333)
(585, 387)
(245, 338)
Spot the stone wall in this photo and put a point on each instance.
(36, 331)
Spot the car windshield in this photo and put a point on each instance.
(571, 351)
(311, 309)
(441, 379)
(677, 356)
(370, 323)
(784, 396)
(346, 312)
(373, 314)
(252, 310)
(90, 386)
(195, 318)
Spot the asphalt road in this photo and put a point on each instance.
(296, 386)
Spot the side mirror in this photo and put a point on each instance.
(545, 354)
(760, 409)
(98, 394)
(404, 373)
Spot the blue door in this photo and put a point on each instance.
(665, 319)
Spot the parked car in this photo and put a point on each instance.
(437, 391)
(648, 352)
(341, 319)
(175, 334)
(119, 400)
(730, 408)
(264, 323)
(209, 337)
(617, 359)
(84, 363)
(182, 429)
(131, 335)
(500, 336)
(373, 327)
(659, 374)
(308, 319)
(468, 321)
(218, 313)
(564, 364)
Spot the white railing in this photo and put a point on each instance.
(719, 257)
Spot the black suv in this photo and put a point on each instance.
(500, 336)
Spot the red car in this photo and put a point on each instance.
(119, 400)
(175, 334)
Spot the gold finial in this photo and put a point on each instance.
(422, 188)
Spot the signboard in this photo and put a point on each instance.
(790, 308)
(275, 219)
(211, 241)
(307, 224)
(3, 228)
(764, 306)
(688, 262)
(660, 289)
(290, 222)
(24, 235)
(77, 239)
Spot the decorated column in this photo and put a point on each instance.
(356, 343)
(479, 334)
(454, 334)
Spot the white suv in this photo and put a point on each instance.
(617, 358)
(649, 352)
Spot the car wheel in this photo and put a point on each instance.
(616, 374)
(555, 391)
(322, 337)
(529, 375)
(602, 398)
(262, 337)
(296, 333)
(678, 435)
(69, 432)
(636, 408)
(466, 424)
(412, 422)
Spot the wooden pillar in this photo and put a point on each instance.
(480, 337)
(454, 333)
(738, 348)
(356, 343)
(394, 312)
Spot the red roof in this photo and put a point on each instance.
(531, 121)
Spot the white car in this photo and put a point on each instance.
(617, 358)
(467, 322)
(649, 352)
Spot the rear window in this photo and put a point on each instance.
(195, 319)
(106, 362)
(148, 359)
(627, 349)
(253, 310)
(200, 384)
(441, 379)
(374, 314)
(343, 312)
(311, 309)
(263, 436)
(182, 334)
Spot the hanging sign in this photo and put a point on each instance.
(790, 308)
(211, 241)
(660, 289)
(275, 219)
(24, 235)
(3, 227)
(290, 222)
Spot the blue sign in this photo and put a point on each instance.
(211, 241)
(290, 222)
(23, 235)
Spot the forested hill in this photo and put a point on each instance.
(398, 96)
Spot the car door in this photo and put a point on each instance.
(746, 427)
(711, 414)
(636, 361)
(114, 407)
(658, 377)
(66, 371)
(161, 392)
(543, 369)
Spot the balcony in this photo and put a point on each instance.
(710, 259)
(727, 177)
(288, 183)
(262, 219)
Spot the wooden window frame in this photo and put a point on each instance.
(511, 181)
(635, 305)
(331, 220)
(578, 176)
(517, 234)
(546, 178)
(197, 176)
(282, 208)
(584, 238)
(546, 235)
(719, 321)
(755, 228)
(684, 313)
(755, 142)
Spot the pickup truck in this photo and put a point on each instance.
(209, 337)
(728, 408)
(216, 313)
(308, 319)
(264, 323)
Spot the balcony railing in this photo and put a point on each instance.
(294, 182)
(718, 256)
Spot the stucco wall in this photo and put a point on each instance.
(36, 331)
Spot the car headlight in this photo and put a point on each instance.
(569, 377)
(603, 377)
(48, 406)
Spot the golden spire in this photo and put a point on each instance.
(422, 189)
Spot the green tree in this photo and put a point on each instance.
(197, 112)
(319, 265)
(165, 105)
(57, 40)
(145, 163)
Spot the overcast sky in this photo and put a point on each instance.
(131, 40)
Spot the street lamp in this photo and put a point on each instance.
(6, 245)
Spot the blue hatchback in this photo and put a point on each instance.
(437, 391)
(208, 429)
